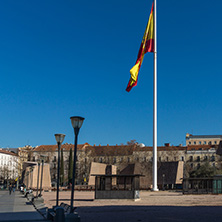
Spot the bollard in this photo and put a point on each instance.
(59, 215)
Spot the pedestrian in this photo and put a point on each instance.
(10, 189)
(13, 188)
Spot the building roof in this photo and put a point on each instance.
(108, 150)
(7, 152)
(122, 150)
(53, 148)
(204, 136)
(201, 147)
(13, 150)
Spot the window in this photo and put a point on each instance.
(191, 158)
(167, 159)
(198, 166)
(100, 159)
(114, 159)
(160, 159)
(54, 158)
(213, 158)
(205, 158)
(33, 158)
(144, 159)
(198, 158)
(215, 142)
(194, 142)
(200, 142)
(209, 143)
(205, 142)
(189, 143)
(182, 158)
(128, 160)
(191, 165)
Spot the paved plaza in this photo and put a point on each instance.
(15, 207)
(153, 206)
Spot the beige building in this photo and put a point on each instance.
(200, 154)
(51, 153)
(24, 154)
(31, 179)
(141, 157)
(8, 165)
(202, 139)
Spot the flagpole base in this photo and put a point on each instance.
(155, 189)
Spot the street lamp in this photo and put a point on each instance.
(77, 122)
(163, 181)
(38, 178)
(42, 160)
(31, 176)
(59, 140)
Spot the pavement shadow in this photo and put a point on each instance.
(150, 213)
(20, 216)
(74, 200)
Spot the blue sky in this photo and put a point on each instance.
(64, 58)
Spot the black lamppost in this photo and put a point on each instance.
(59, 140)
(163, 181)
(77, 122)
(27, 175)
(38, 178)
(42, 160)
(31, 176)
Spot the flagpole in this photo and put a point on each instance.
(155, 188)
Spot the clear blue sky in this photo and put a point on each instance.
(64, 58)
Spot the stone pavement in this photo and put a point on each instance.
(153, 207)
(15, 208)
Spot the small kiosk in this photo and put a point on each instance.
(117, 186)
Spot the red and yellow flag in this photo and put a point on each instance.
(147, 45)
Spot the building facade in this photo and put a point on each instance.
(202, 139)
(192, 156)
(8, 165)
(24, 154)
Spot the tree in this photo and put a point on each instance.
(61, 169)
(70, 169)
(205, 170)
(131, 142)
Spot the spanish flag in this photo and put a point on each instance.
(147, 45)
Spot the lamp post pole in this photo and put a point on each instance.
(74, 172)
(27, 174)
(58, 175)
(42, 160)
(40, 194)
(31, 176)
(59, 139)
(163, 181)
(38, 179)
(77, 122)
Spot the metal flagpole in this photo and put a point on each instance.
(155, 188)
